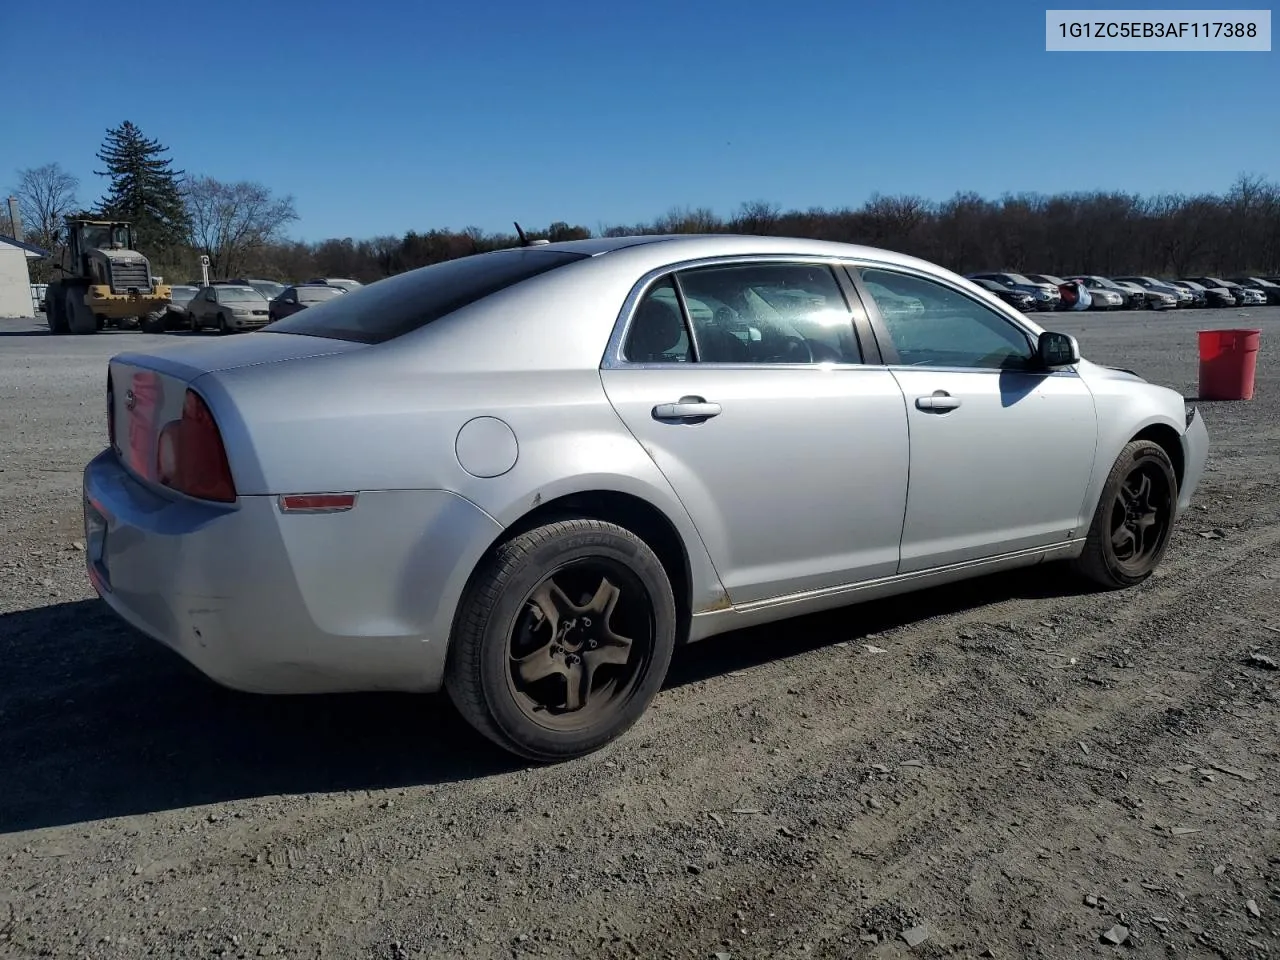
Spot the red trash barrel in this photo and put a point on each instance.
(1228, 363)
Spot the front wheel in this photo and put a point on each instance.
(223, 327)
(1134, 518)
(157, 321)
(563, 639)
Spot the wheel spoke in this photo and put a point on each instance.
(616, 651)
(550, 604)
(1142, 496)
(605, 599)
(538, 665)
(1124, 539)
(576, 691)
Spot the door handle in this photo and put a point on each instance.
(939, 402)
(685, 409)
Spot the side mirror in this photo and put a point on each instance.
(1057, 350)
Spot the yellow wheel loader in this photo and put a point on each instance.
(108, 282)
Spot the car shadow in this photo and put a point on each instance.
(98, 721)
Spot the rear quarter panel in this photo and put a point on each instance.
(382, 419)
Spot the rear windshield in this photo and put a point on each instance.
(393, 307)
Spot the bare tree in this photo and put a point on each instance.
(45, 195)
(232, 222)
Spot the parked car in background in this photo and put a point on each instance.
(293, 299)
(1069, 290)
(1182, 297)
(1018, 298)
(1199, 295)
(1238, 298)
(347, 285)
(176, 314)
(1047, 295)
(268, 288)
(228, 308)
(1269, 290)
(1106, 295)
(363, 497)
(1148, 297)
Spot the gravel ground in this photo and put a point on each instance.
(1008, 768)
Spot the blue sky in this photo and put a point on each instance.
(386, 116)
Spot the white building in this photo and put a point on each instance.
(15, 278)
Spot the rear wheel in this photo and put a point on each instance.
(563, 639)
(1134, 518)
(223, 327)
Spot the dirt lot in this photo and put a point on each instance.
(1023, 768)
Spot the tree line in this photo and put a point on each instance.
(241, 226)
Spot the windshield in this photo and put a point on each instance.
(178, 294)
(104, 237)
(398, 305)
(238, 294)
(1019, 278)
(1056, 281)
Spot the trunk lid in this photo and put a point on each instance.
(148, 389)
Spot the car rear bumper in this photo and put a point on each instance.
(266, 602)
(1195, 451)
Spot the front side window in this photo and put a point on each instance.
(932, 325)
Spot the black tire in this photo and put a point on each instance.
(192, 323)
(80, 318)
(56, 314)
(1122, 550)
(223, 328)
(157, 321)
(507, 682)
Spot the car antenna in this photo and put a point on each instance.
(526, 242)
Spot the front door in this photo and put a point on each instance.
(1001, 452)
(788, 453)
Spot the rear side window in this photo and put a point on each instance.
(398, 305)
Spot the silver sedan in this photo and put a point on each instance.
(526, 476)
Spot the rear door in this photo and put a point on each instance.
(745, 383)
(1001, 451)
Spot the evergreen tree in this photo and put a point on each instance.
(144, 190)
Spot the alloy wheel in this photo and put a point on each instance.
(1141, 517)
(580, 644)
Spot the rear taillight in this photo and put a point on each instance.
(190, 457)
(111, 412)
